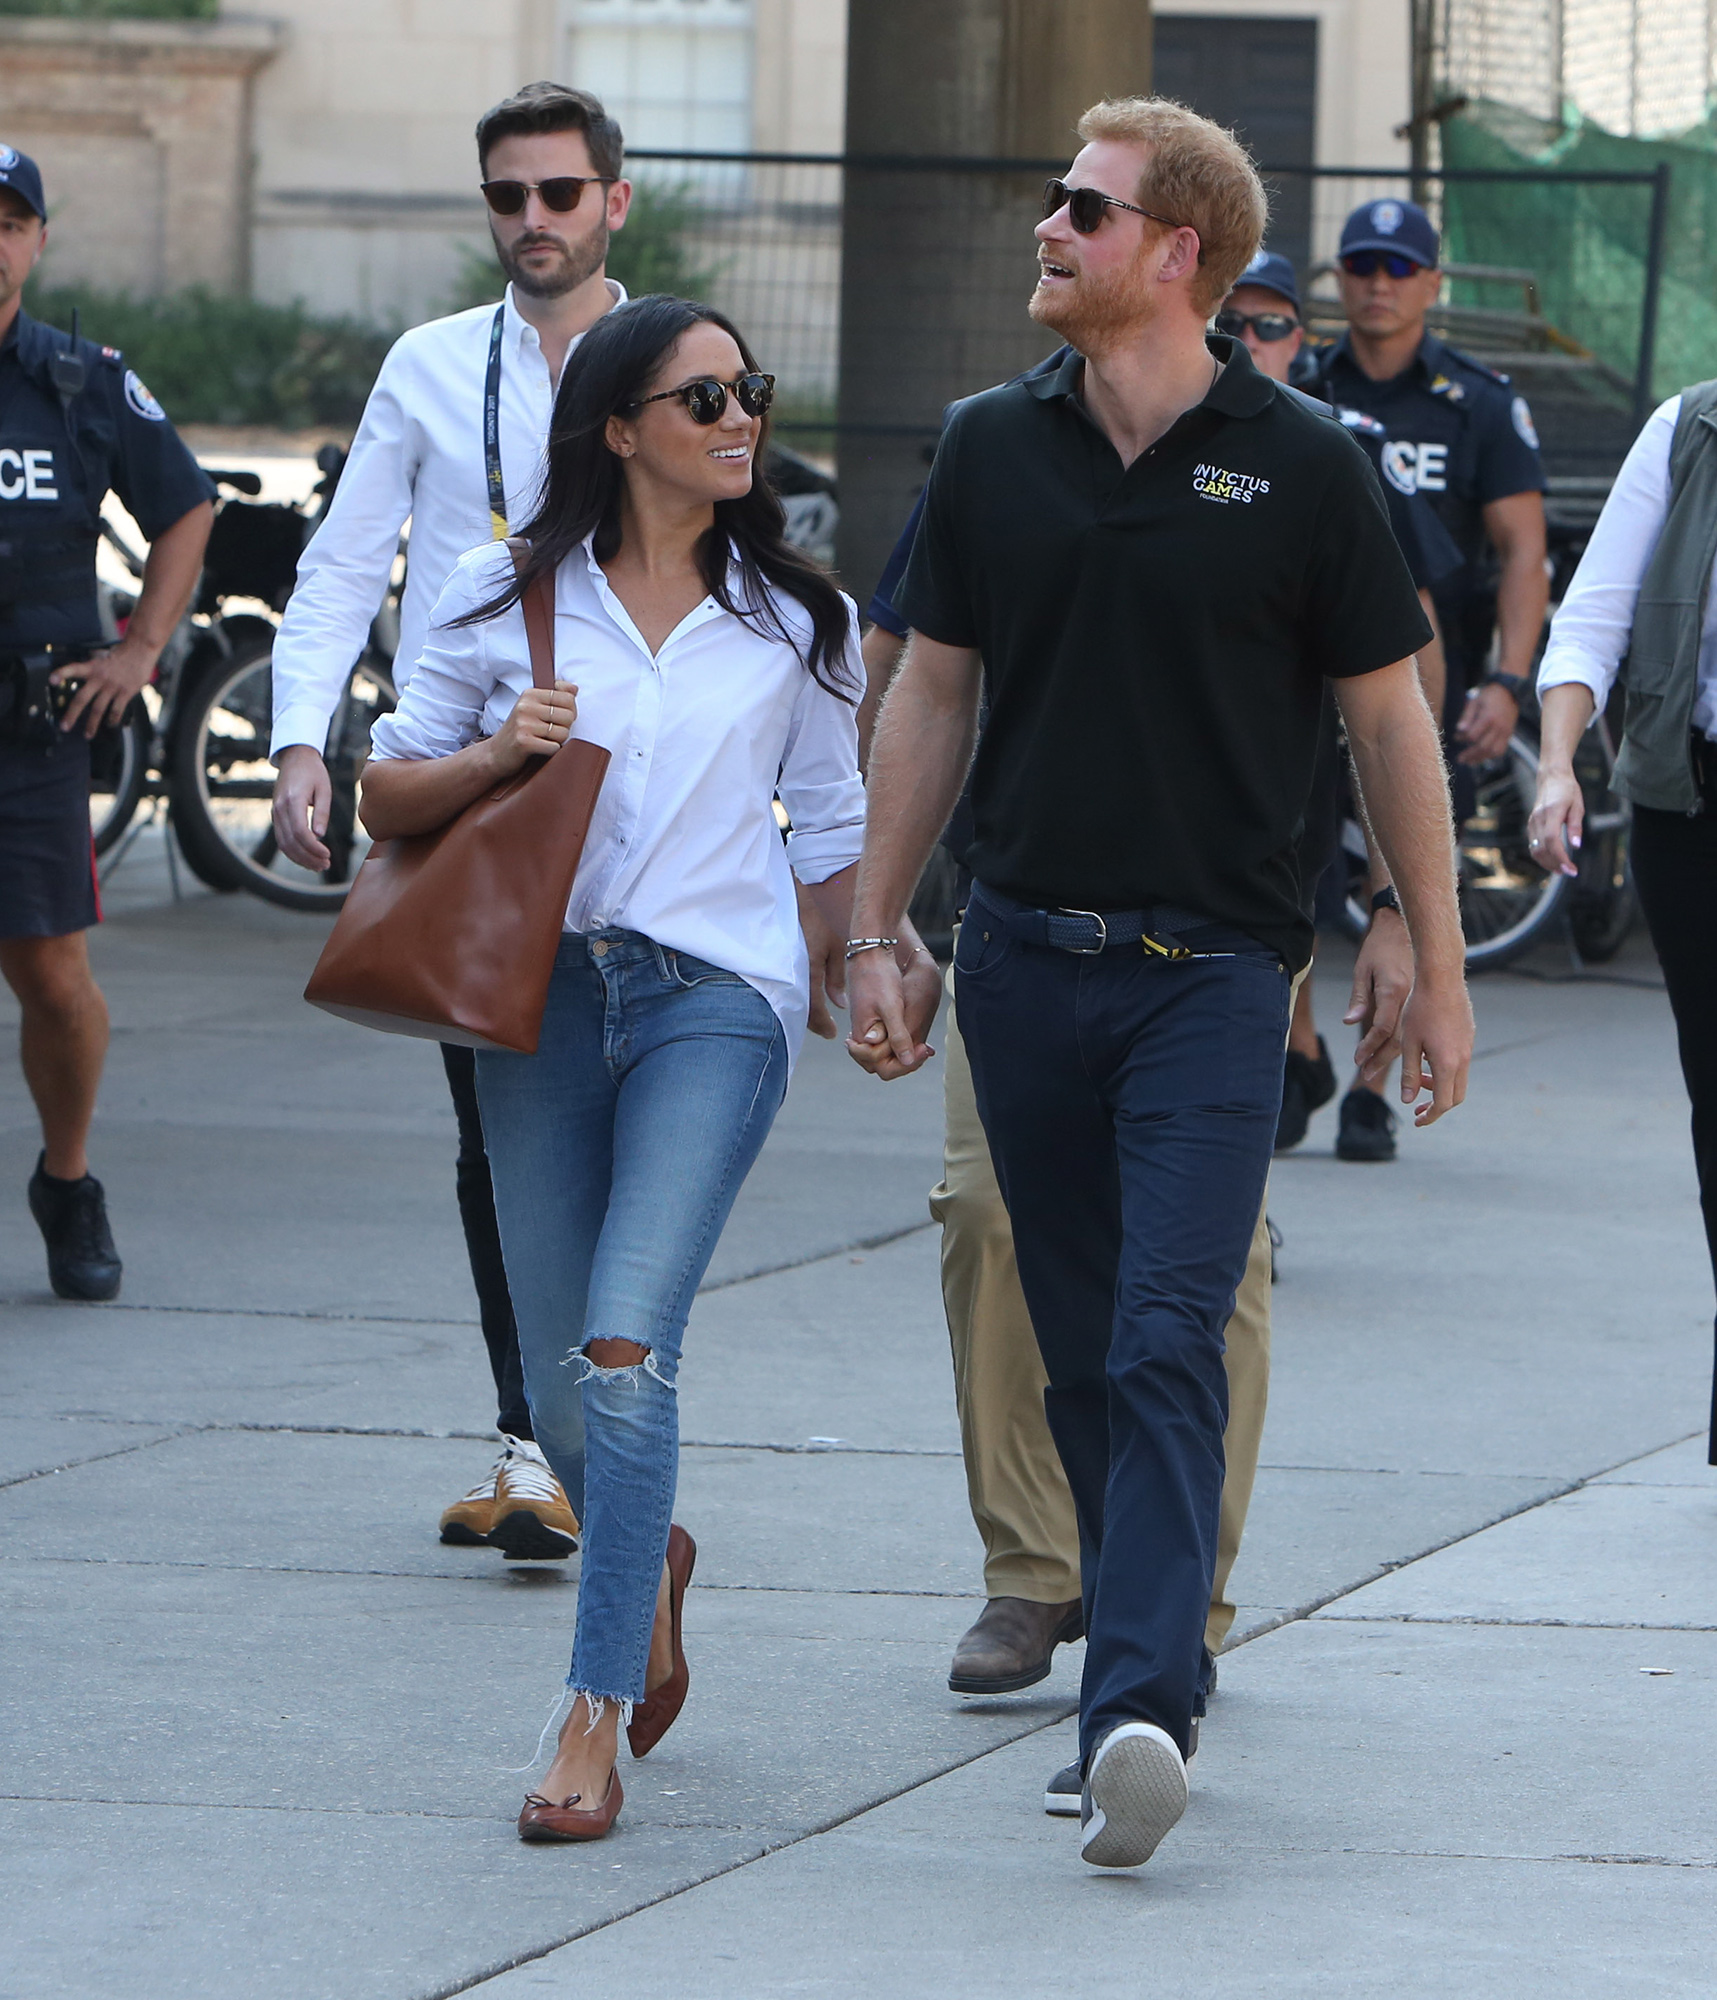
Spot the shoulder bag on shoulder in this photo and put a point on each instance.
(451, 935)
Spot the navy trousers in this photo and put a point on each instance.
(1130, 1104)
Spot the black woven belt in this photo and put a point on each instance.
(1086, 932)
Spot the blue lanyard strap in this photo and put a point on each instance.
(492, 429)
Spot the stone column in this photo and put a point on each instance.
(142, 130)
(937, 266)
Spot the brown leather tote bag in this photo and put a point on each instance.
(451, 935)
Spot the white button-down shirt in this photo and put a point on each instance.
(684, 845)
(418, 454)
(1590, 633)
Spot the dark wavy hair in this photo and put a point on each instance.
(613, 366)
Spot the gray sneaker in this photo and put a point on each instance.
(1066, 1788)
(1135, 1793)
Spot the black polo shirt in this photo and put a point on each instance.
(1155, 638)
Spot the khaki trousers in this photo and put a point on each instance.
(1017, 1489)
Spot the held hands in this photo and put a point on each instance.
(892, 1006)
(540, 723)
(1558, 813)
(827, 950)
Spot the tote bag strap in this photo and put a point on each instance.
(539, 616)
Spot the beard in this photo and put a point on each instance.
(579, 261)
(1092, 311)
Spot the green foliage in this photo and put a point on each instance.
(108, 10)
(650, 254)
(214, 359)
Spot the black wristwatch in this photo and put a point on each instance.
(1514, 684)
(1386, 899)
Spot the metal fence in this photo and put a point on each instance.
(935, 258)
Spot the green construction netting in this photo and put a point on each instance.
(1586, 242)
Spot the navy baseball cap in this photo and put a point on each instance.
(21, 174)
(1400, 226)
(1275, 274)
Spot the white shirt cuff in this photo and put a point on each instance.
(299, 722)
(814, 857)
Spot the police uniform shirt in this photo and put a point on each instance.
(1155, 637)
(57, 461)
(1459, 433)
(1432, 557)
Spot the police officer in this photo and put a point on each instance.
(73, 422)
(1263, 310)
(1462, 437)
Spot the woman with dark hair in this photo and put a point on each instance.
(719, 668)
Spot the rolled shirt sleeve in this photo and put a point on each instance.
(441, 709)
(820, 785)
(344, 571)
(1590, 633)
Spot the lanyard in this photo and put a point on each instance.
(492, 429)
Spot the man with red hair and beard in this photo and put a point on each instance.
(452, 437)
(1153, 555)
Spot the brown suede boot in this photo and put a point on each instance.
(1011, 1644)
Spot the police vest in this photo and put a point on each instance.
(53, 460)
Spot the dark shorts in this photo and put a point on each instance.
(47, 866)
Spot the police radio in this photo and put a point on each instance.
(67, 372)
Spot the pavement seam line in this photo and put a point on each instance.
(1287, 1618)
(98, 1458)
(748, 1861)
(877, 1242)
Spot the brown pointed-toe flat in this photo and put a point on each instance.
(655, 1715)
(542, 1819)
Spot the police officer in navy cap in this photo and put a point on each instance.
(1461, 436)
(74, 421)
(1263, 310)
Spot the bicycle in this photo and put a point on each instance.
(1508, 903)
(197, 740)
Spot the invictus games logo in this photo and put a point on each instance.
(1216, 482)
(1386, 217)
(8, 158)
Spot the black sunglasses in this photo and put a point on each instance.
(562, 194)
(1267, 326)
(1364, 263)
(1085, 207)
(705, 400)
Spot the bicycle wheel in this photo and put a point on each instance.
(119, 766)
(223, 783)
(1506, 898)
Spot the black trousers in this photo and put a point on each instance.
(483, 1246)
(1675, 871)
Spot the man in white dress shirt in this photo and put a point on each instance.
(452, 437)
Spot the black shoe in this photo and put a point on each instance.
(72, 1216)
(1367, 1128)
(1062, 1794)
(1307, 1086)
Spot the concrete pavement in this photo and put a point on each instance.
(256, 1724)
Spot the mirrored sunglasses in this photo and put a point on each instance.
(1365, 263)
(706, 400)
(1267, 326)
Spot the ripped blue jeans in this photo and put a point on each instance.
(617, 1151)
